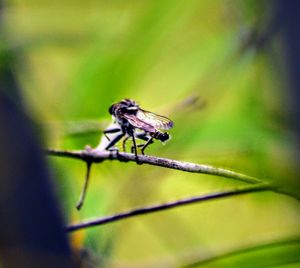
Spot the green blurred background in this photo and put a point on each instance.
(194, 61)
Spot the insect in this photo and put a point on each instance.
(130, 121)
(136, 123)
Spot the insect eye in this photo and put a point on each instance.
(111, 109)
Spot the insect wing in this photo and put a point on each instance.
(155, 120)
(137, 123)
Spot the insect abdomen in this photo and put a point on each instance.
(162, 136)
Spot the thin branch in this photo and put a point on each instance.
(85, 186)
(96, 156)
(170, 205)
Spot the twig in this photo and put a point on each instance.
(96, 156)
(85, 186)
(170, 205)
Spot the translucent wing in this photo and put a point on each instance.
(137, 123)
(155, 120)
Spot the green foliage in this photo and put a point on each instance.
(75, 58)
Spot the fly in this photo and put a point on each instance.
(136, 123)
(130, 121)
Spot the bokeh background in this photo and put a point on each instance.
(217, 69)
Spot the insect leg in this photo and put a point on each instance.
(111, 130)
(146, 144)
(114, 141)
(134, 144)
(142, 136)
(124, 143)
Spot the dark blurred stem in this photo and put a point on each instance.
(155, 208)
(85, 186)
